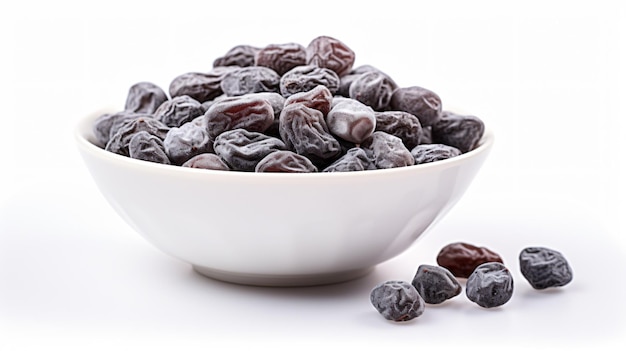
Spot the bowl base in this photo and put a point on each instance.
(282, 280)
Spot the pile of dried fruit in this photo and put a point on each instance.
(287, 108)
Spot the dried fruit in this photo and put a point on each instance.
(397, 301)
(248, 80)
(462, 258)
(147, 147)
(285, 161)
(206, 161)
(490, 285)
(387, 151)
(242, 150)
(435, 284)
(350, 120)
(144, 97)
(281, 57)
(461, 132)
(250, 112)
(544, 268)
(427, 153)
(331, 53)
(305, 78)
(421, 102)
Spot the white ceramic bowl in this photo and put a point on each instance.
(274, 228)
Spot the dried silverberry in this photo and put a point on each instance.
(144, 97)
(147, 147)
(281, 57)
(305, 78)
(373, 89)
(401, 124)
(178, 111)
(462, 132)
(387, 151)
(319, 98)
(422, 103)
(250, 112)
(240, 55)
(435, 284)
(107, 125)
(427, 153)
(328, 52)
(462, 258)
(248, 80)
(242, 150)
(119, 142)
(286, 162)
(355, 159)
(397, 301)
(187, 141)
(206, 161)
(351, 120)
(544, 268)
(490, 285)
(200, 86)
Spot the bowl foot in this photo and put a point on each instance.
(282, 280)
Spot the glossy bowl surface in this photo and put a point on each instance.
(279, 229)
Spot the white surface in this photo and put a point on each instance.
(549, 78)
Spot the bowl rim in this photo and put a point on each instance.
(85, 139)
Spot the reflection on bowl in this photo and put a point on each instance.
(277, 228)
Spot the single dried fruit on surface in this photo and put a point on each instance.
(240, 55)
(490, 285)
(397, 301)
(178, 111)
(144, 97)
(544, 268)
(350, 120)
(206, 161)
(462, 258)
(331, 53)
(421, 102)
(305, 78)
(248, 80)
(147, 147)
(387, 151)
(462, 132)
(427, 153)
(401, 124)
(435, 284)
(250, 112)
(242, 150)
(286, 162)
(281, 57)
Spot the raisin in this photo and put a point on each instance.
(107, 125)
(490, 285)
(206, 161)
(285, 161)
(147, 147)
(328, 52)
(544, 268)
(373, 89)
(319, 98)
(397, 301)
(462, 258)
(435, 284)
(462, 132)
(351, 120)
(186, 141)
(281, 57)
(178, 111)
(240, 55)
(242, 150)
(249, 80)
(427, 153)
(144, 97)
(418, 101)
(387, 151)
(119, 142)
(200, 86)
(305, 78)
(401, 124)
(304, 130)
(355, 159)
(249, 112)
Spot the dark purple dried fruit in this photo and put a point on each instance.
(319, 98)
(304, 131)
(200, 86)
(387, 151)
(462, 132)
(147, 147)
(285, 161)
(397, 301)
(249, 112)
(422, 103)
(427, 153)
(281, 57)
(107, 125)
(401, 124)
(328, 52)
(178, 111)
(247, 80)
(351, 120)
(490, 285)
(242, 150)
(462, 258)
(373, 89)
(240, 55)
(187, 141)
(144, 97)
(435, 284)
(119, 142)
(206, 161)
(544, 268)
(305, 78)
(355, 159)
(427, 135)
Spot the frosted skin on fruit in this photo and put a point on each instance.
(428, 153)
(239, 55)
(462, 132)
(147, 147)
(206, 161)
(186, 141)
(387, 151)
(285, 161)
(319, 98)
(374, 89)
(331, 53)
(178, 111)
(397, 301)
(462, 258)
(248, 80)
(119, 142)
(281, 57)
(305, 78)
(242, 150)
(401, 124)
(107, 125)
(490, 285)
(350, 120)
(355, 159)
(250, 112)
(200, 86)
(544, 268)
(435, 284)
(421, 102)
(144, 97)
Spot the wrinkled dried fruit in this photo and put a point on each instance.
(248, 80)
(435, 284)
(178, 111)
(387, 151)
(401, 124)
(240, 55)
(107, 125)
(147, 147)
(319, 98)
(281, 57)
(422, 103)
(250, 112)
(355, 159)
(544, 268)
(462, 132)
(285, 161)
(305, 78)
(331, 53)
(490, 285)
(350, 120)
(119, 142)
(462, 258)
(427, 153)
(187, 141)
(374, 89)
(144, 97)
(200, 86)
(242, 150)
(397, 301)
(206, 161)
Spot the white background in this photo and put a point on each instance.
(547, 77)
